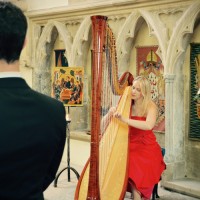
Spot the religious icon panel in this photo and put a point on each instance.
(150, 65)
(67, 85)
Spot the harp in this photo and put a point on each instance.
(105, 174)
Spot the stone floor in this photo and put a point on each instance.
(65, 190)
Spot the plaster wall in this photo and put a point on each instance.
(45, 4)
(26, 70)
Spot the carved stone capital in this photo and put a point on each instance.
(169, 78)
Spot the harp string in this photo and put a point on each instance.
(108, 139)
(106, 104)
(109, 99)
(101, 178)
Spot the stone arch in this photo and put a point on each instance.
(42, 71)
(124, 42)
(131, 26)
(176, 50)
(158, 29)
(81, 43)
(179, 40)
(175, 81)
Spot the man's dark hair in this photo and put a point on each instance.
(13, 27)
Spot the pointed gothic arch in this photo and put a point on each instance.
(178, 41)
(81, 43)
(130, 29)
(42, 72)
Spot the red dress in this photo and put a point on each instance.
(145, 159)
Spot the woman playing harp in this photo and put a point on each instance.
(105, 174)
(145, 158)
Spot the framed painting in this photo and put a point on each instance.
(150, 65)
(67, 85)
(194, 132)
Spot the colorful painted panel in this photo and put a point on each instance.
(67, 85)
(150, 65)
(194, 88)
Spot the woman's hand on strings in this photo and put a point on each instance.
(122, 119)
(106, 119)
(118, 115)
(112, 110)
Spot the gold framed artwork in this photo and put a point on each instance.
(67, 85)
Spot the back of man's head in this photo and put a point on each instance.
(13, 27)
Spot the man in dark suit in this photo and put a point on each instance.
(32, 125)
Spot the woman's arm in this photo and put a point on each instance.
(144, 125)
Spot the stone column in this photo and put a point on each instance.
(169, 139)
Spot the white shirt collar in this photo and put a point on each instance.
(10, 75)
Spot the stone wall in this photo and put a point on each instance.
(170, 24)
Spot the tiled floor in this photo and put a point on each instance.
(65, 190)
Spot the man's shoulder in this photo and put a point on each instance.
(45, 98)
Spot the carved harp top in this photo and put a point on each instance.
(102, 170)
